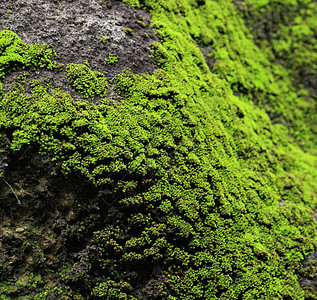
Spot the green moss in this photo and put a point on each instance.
(111, 290)
(10, 290)
(132, 3)
(202, 183)
(310, 271)
(112, 59)
(22, 77)
(85, 81)
(288, 40)
(17, 55)
(103, 39)
(6, 288)
(128, 31)
(141, 24)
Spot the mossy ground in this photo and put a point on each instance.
(206, 180)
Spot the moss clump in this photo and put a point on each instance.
(111, 290)
(208, 197)
(103, 39)
(112, 59)
(128, 31)
(85, 81)
(141, 24)
(16, 55)
(287, 37)
(133, 3)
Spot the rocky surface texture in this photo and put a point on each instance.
(110, 35)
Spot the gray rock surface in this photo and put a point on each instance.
(81, 30)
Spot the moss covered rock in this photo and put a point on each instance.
(198, 184)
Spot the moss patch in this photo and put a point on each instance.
(204, 194)
(85, 81)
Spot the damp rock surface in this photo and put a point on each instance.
(78, 31)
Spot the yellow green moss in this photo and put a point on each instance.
(85, 81)
(205, 185)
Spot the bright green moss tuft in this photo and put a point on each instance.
(128, 31)
(102, 39)
(133, 3)
(112, 59)
(288, 40)
(205, 187)
(16, 55)
(111, 290)
(141, 24)
(85, 81)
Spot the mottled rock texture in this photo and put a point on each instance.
(80, 31)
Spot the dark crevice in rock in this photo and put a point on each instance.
(209, 56)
